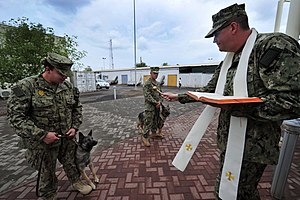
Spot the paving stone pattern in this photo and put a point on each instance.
(130, 171)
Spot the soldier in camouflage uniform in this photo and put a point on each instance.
(273, 75)
(45, 112)
(152, 106)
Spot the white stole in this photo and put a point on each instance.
(237, 131)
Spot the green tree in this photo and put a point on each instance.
(88, 69)
(70, 45)
(165, 64)
(24, 44)
(141, 64)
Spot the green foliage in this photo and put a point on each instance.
(88, 69)
(23, 44)
(70, 44)
(165, 64)
(141, 64)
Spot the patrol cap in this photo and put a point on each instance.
(224, 16)
(154, 69)
(59, 62)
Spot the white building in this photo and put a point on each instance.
(195, 75)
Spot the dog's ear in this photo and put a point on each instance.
(81, 136)
(90, 133)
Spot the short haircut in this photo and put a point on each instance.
(242, 21)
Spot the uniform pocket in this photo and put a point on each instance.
(70, 101)
(42, 103)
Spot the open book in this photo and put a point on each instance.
(220, 99)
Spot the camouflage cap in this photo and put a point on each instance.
(225, 16)
(59, 62)
(154, 69)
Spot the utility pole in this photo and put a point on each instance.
(134, 39)
(111, 54)
(104, 63)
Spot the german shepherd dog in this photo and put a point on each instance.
(83, 157)
(164, 113)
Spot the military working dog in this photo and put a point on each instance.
(164, 113)
(83, 157)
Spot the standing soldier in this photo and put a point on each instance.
(153, 102)
(45, 112)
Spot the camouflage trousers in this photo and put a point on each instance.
(45, 161)
(151, 121)
(250, 176)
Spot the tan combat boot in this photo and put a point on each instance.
(145, 141)
(82, 188)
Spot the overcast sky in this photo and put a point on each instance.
(168, 31)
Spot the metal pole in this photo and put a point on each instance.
(111, 54)
(104, 62)
(134, 39)
(115, 93)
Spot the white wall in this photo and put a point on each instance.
(194, 80)
(166, 72)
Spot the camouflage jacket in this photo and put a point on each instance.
(274, 75)
(35, 108)
(152, 97)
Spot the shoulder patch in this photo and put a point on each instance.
(18, 91)
(270, 55)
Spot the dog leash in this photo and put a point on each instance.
(64, 136)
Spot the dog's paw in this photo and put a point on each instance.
(96, 180)
(93, 186)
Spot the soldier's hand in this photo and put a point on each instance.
(50, 138)
(158, 104)
(71, 133)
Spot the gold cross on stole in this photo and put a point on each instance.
(188, 147)
(230, 176)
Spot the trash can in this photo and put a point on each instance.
(291, 131)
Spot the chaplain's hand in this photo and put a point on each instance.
(169, 96)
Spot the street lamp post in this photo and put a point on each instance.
(104, 62)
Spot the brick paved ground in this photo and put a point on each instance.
(130, 171)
